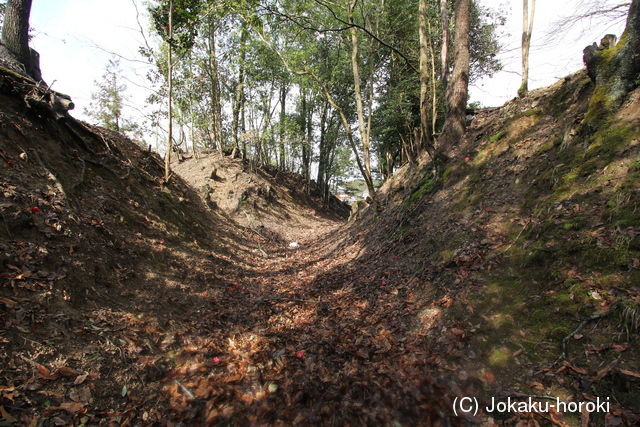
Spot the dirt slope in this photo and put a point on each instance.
(106, 272)
(529, 248)
(276, 203)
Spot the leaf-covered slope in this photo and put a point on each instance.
(532, 229)
(102, 264)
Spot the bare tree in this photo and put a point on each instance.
(527, 29)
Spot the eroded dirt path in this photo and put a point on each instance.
(303, 340)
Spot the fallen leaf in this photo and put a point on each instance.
(629, 373)
(43, 370)
(7, 416)
(535, 384)
(66, 372)
(8, 302)
(620, 347)
(80, 379)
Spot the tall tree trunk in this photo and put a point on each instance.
(283, 116)
(303, 122)
(15, 31)
(238, 104)
(214, 83)
(309, 141)
(167, 155)
(434, 98)
(364, 132)
(444, 53)
(323, 158)
(457, 90)
(527, 29)
(426, 141)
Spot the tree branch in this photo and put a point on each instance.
(347, 26)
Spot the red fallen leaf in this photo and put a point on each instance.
(35, 210)
(466, 159)
(206, 294)
(300, 354)
(384, 283)
(488, 210)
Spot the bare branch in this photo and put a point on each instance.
(586, 10)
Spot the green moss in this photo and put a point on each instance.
(497, 136)
(446, 175)
(546, 147)
(446, 255)
(427, 188)
(575, 223)
(600, 258)
(501, 357)
(532, 112)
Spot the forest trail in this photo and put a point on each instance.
(129, 301)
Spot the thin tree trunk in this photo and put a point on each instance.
(238, 104)
(214, 82)
(364, 133)
(426, 141)
(324, 153)
(167, 156)
(527, 29)
(434, 96)
(309, 141)
(283, 116)
(303, 135)
(444, 53)
(457, 90)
